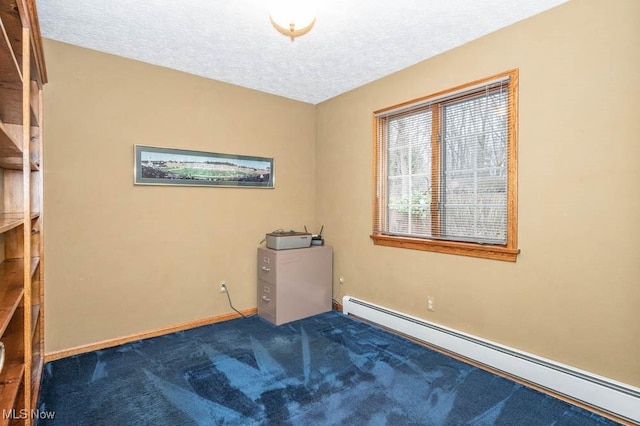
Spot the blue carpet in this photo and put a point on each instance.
(325, 370)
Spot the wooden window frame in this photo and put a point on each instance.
(506, 252)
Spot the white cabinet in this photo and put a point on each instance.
(294, 284)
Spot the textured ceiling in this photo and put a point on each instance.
(352, 43)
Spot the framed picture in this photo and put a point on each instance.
(165, 166)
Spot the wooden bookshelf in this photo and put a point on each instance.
(12, 374)
(9, 221)
(22, 76)
(11, 291)
(11, 379)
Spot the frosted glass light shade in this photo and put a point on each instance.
(293, 18)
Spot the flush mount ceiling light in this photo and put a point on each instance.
(293, 18)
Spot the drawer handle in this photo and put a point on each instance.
(264, 268)
(266, 299)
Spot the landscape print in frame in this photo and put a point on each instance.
(166, 166)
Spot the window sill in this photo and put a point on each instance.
(450, 247)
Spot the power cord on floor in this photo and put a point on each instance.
(226, 290)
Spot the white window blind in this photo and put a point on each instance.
(442, 166)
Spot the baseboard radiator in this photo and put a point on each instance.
(616, 398)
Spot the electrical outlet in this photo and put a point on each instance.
(431, 304)
(223, 286)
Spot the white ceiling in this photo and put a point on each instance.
(352, 43)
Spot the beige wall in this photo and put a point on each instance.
(574, 293)
(124, 259)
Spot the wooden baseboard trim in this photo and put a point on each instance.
(337, 306)
(53, 356)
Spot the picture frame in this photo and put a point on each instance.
(170, 166)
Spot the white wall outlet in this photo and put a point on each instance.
(431, 304)
(223, 286)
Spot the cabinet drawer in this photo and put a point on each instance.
(266, 296)
(266, 266)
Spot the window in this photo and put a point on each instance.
(445, 172)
